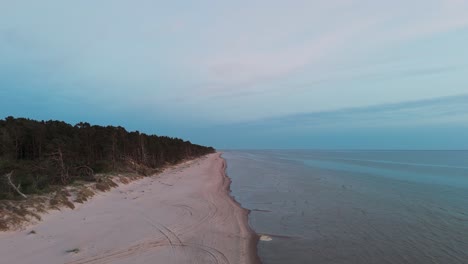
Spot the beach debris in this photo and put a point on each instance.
(16, 188)
(265, 238)
(75, 250)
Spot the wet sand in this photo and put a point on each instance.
(184, 215)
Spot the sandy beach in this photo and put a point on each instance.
(183, 215)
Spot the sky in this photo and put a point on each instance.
(335, 74)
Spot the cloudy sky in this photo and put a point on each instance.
(244, 74)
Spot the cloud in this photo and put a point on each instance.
(247, 68)
(252, 59)
(437, 111)
(344, 32)
(422, 20)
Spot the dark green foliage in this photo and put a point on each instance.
(47, 153)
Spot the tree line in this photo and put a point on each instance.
(40, 154)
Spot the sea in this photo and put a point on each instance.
(343, 207)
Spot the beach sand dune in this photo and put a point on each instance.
(184, 215)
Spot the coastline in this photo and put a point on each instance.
(252, 242)
(184, 215)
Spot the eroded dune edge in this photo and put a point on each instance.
(184, 215)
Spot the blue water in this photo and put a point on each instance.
(355, 206)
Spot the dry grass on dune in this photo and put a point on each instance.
(61, 199)
(15, 214)
(105, 184)
(83, 195)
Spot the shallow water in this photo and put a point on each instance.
(355, 206)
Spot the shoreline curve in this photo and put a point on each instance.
(254, 238)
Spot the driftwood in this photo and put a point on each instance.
(16, 188)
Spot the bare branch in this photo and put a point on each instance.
(88, 170)
(85, 167)
(16, 188)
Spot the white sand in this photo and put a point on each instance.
(184, 215)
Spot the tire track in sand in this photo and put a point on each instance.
(171, 239)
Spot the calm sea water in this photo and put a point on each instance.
(355, 206)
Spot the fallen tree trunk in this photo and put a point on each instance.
(16, 188)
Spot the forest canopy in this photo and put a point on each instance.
(40, 154)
